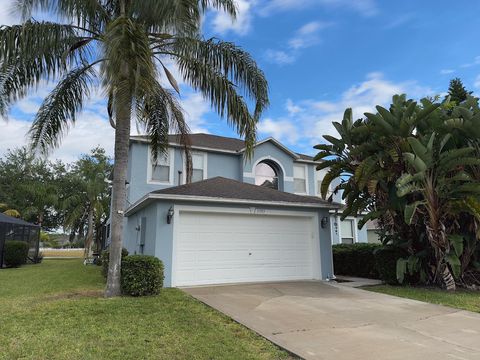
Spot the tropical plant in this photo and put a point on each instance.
(428, 208)
(440, 186)
(8, 211)
(125, 47)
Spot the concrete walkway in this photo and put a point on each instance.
(319, 320)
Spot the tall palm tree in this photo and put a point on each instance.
(124, 46)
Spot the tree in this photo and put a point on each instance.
(90, 202)
(457, 91)
(125, 47)
(414, 168)
(8, 211)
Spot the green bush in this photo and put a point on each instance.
(104, 257)
(141, 275)
(15, 253)
(386, 263)
(355, 260)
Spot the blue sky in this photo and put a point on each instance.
(319, 56)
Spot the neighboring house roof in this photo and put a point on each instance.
(222, 143)
(220, 189)
(12, 220)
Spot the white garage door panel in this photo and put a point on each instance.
(215, 248)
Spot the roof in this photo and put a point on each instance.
(220, 189)
(221, 143)
(12, 220)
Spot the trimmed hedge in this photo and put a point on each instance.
(386, 263)
(355, 260)
(15, 253)
(141, 275)
(104, 258)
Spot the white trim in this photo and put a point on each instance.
(276, 161)
(316, 257)
(306, 179)
(276, 142)
(171, 158)
(205, 165)
(155, 196)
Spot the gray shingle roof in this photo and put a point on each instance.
(220, 187)
(216, 142)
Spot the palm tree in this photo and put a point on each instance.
(124, 46)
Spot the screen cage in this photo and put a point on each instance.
(13, 229)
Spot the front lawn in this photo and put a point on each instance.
(460, 299)
(55, 310)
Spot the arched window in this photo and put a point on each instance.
(266, 175)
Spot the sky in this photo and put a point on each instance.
(319, 57)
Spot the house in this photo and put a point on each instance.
(239, 220)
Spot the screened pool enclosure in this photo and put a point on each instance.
(16, 229)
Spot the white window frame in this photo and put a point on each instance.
(171, 158)
(354, 230)
(306, 179)
(205, 165)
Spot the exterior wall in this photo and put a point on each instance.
(160, 241)
(372, 237)
(360, 234)
(131, 231)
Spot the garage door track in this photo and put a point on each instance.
(318, 320)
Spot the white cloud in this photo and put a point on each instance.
(447, 71)
(279, 129)
(400, 20)
(476, 61)
(223, 23)
(477, 82)
(6, 13)
(304, 37)
(195, 108)
(307, 35)
(363, 7)
(313, 118)
(279, 57)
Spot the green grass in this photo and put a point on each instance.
(460, 299)
(55, 310)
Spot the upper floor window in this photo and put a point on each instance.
(198, 167)
(161, 170)
(266, 175)
(300, 179)
(319, 175)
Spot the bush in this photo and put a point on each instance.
(355, 260)
(15, 253)
(386, 263)
(104, 257)
(141, 275)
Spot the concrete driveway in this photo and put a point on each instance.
(317, 320)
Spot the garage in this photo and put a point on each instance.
(219, 247)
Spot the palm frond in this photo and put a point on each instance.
(60, 107)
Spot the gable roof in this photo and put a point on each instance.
(220, 189)
(223, 143)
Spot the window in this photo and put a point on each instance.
(161, 171)
(347, 231)
(299, 179)
(266, 175)
(198, 167)
(319, 175)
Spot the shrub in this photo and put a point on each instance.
(141, 275)
(15, 253)
(104, 257)
(386, 263)
(355, 260)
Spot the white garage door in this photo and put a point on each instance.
(216, 248)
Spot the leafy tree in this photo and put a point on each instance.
(414, 168)
(125, 46)
(457, 92)
(90, 202)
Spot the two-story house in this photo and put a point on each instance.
(239, 220)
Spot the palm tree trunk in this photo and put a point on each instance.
(89, 240)
(122, 138)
